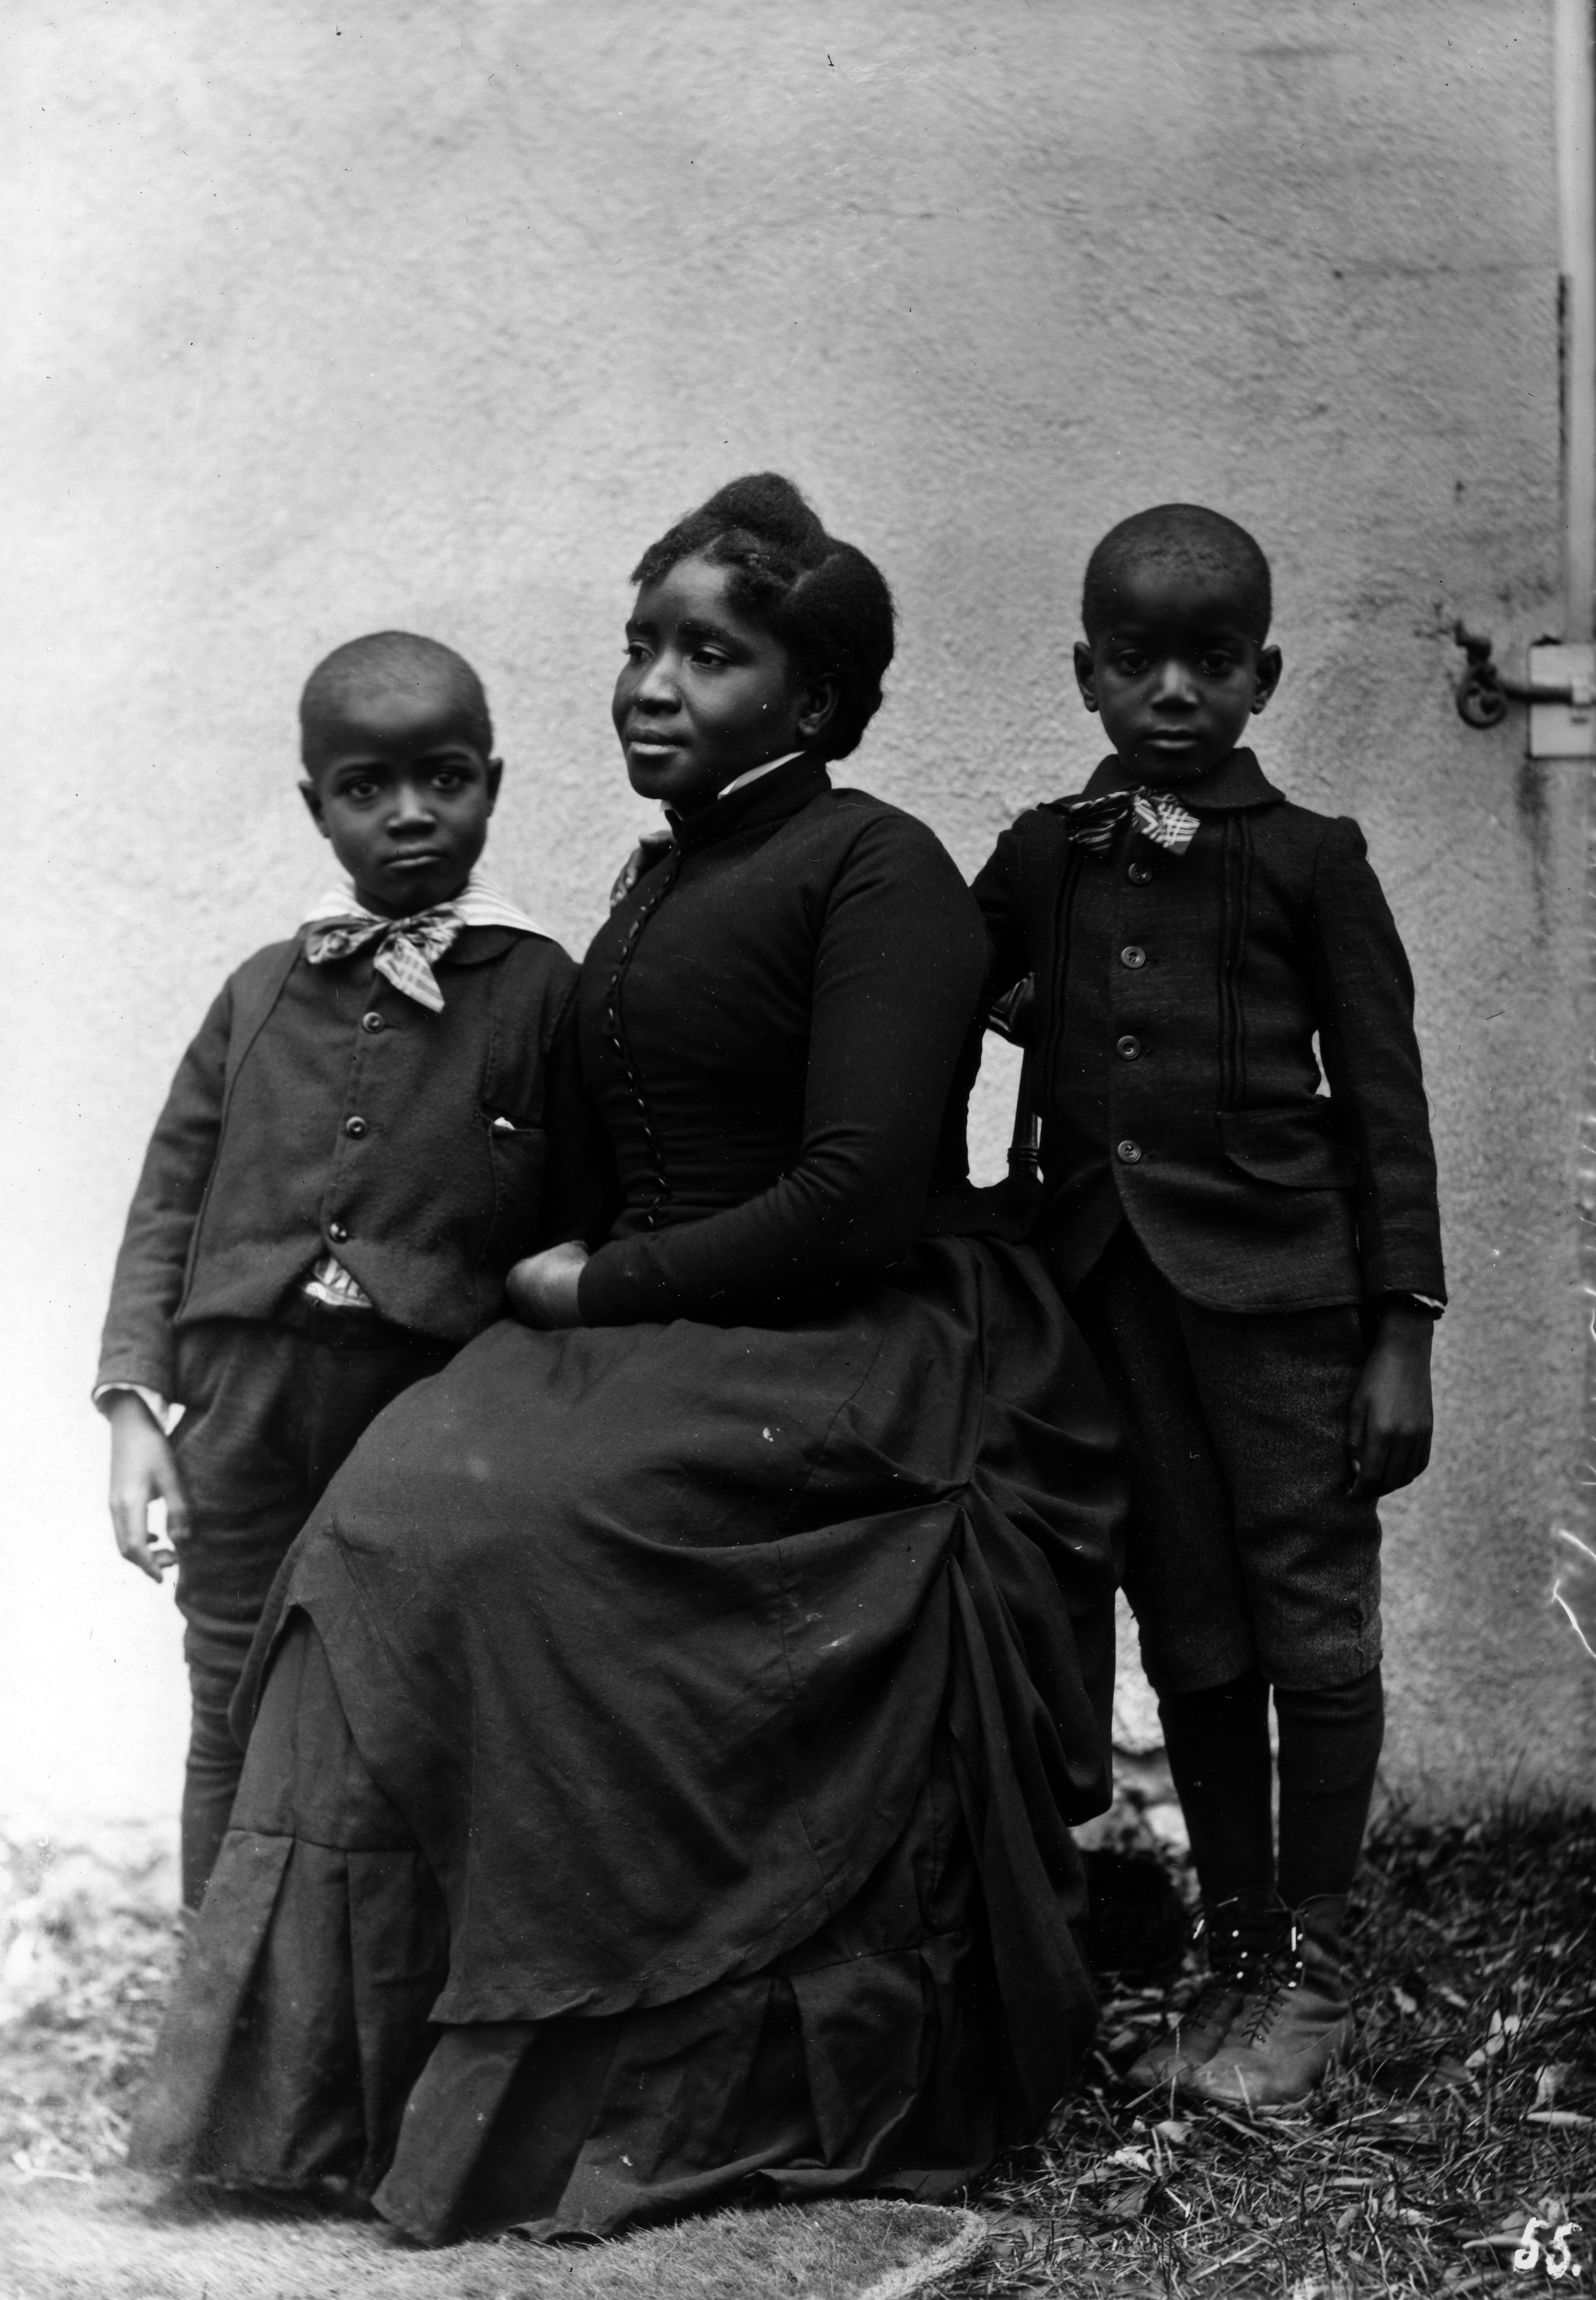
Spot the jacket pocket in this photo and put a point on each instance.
(1299, 1147)
(517, 1154)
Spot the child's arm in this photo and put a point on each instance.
(1391, 1417)
(1364, 997)
(996, 890)
(138, 1353)
(139, 1347)
(1371, 1062)
(581, 1187)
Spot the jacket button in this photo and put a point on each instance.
(1139, 873)
(1127, 1048)
(337, 1233)
(372, 1022)
(356, 1125)
(1132, 956)
(1129, 1153)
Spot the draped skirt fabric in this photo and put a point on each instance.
(666, 1748)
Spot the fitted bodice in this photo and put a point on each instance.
(769, 1024)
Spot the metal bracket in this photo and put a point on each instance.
(1560, 692)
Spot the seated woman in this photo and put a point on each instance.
(663, 1764)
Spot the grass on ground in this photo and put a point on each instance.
(1469, 2104)
(1468, 2107)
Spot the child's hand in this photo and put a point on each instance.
(1013, 1016)
(543, 1289)
(143, 1471)
(1392, 1417)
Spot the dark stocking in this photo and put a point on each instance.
(1218, 1747)
(1329, 1746)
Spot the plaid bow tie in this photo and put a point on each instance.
(405, 948)
(1094, 822)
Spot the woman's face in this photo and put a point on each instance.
(704, 695)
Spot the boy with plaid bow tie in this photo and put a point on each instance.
(377, 1119)
(1255, 1262)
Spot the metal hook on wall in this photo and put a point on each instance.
(1560, 691)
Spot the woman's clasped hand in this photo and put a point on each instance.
(543, 1289)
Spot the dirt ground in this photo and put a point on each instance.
(1468, 2109)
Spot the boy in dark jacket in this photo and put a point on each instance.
(1257, 1262)
(377, 1119)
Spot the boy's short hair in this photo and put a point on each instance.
(394, 658)
(824, 600)
(1178, 534)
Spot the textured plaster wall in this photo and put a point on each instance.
(325, 317)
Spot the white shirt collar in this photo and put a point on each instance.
(740, 782)
(479, 904)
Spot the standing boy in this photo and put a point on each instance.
(377, 1119)
(1257, 1264)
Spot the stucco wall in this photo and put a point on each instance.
(327, 318)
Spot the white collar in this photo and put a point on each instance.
(740, 782)
(479, 904)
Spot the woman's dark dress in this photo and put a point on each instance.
(664, 1766)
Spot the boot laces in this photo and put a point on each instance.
(1283, 1976)
(1237, 1952)
(1205, 2005)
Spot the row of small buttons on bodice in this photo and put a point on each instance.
(666, 873)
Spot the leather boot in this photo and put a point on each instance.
(1294, 2023)
(1240, 1933)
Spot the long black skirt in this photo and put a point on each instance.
(662, 1779)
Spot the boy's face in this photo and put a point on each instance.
(403, 792)
(1177, 675)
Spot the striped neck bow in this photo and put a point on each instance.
(1094, 822)
(405, 948)
(339, 924)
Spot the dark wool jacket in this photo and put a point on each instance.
(1177, 999)
(321, 1110)
(770, 1019)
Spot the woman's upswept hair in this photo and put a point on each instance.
(824, 601)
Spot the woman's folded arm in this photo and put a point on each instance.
(897, 973)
